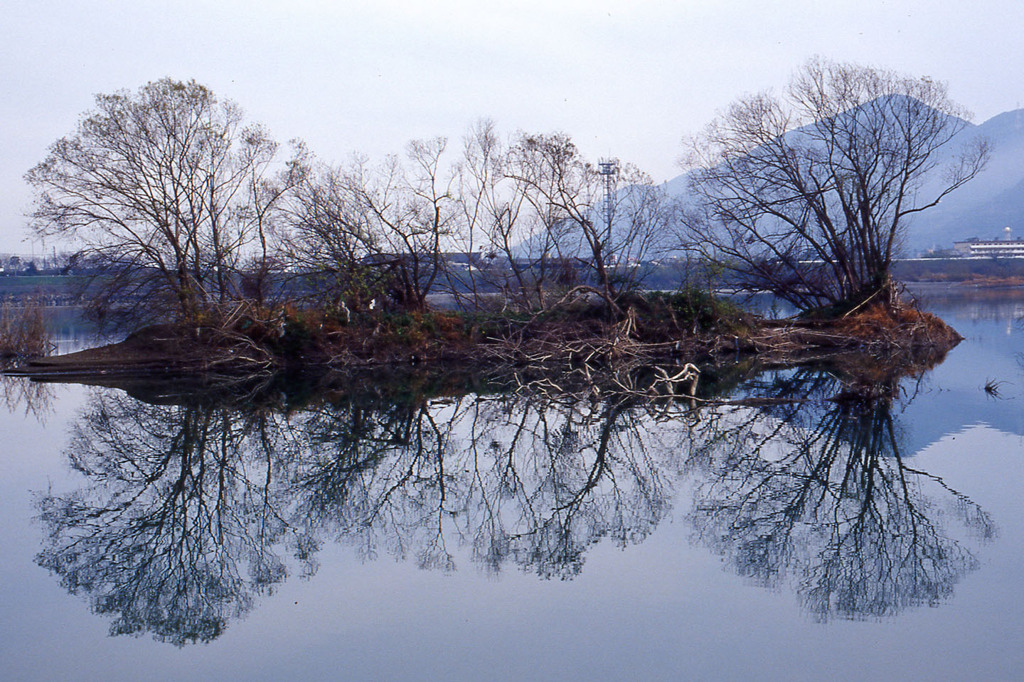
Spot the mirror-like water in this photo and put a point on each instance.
(465, 528)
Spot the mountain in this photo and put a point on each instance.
(988, 203)
(982, 208)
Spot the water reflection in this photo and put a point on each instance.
(828, 502)
(193, 506)
(518, 480)
(183, 517)
(974, 305)
(28, 397)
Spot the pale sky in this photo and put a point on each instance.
(624, 79)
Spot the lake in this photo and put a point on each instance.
(519, 527)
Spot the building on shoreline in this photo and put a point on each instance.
(991, 248)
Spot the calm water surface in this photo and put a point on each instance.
(416, 533)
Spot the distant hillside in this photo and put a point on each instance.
(987, 204)
(983, 207)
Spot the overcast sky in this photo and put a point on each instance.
(626, 79)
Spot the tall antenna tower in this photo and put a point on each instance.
(609, 169)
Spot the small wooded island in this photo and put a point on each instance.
(226, 258)
(662, 348)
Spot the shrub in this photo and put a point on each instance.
(23, 331)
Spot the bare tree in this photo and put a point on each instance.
(485, 210)
(808, 194)
(329, 242)
(524, 220)
(508, 243)
(413, 209)
(603, 221)
(378, 227)
(169, 190)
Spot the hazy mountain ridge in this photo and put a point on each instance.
(981, 208)
(988, 203)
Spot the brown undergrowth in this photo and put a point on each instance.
(23, 332)
(874, 330)
(901, 327)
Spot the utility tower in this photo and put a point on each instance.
(609, 169)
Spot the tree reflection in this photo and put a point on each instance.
(30, 397)
(517, 479)
(834, 507)
(176, 529)
(190, 510)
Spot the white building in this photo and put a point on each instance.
(992, 248)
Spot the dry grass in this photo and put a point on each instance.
(903, 327)
(23, 331)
